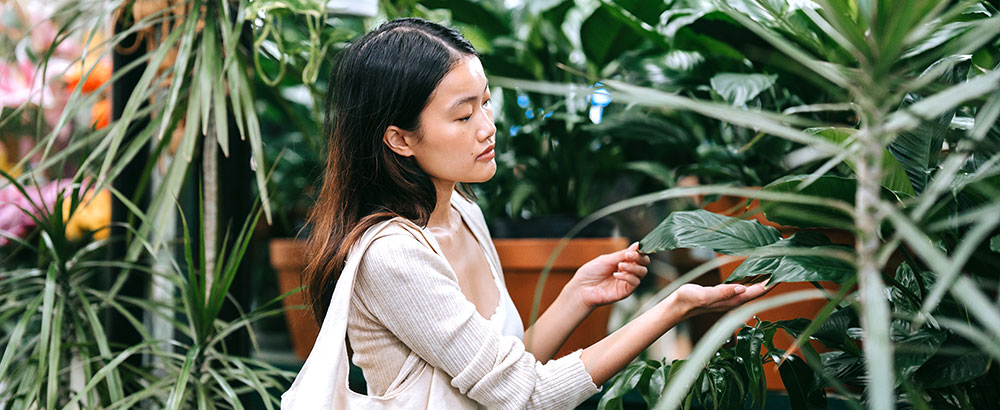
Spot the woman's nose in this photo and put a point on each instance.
(488, 129)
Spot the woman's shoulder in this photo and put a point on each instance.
(397, 239)
(399, 250)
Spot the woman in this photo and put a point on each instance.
(410, 121)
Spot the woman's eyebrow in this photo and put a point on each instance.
(466, 99)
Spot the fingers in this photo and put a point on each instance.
(739, 295)
(631, 279)
(722, 293)
(632, 268)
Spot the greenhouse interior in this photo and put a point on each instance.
(499, 204)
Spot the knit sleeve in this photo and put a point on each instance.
(414, 294)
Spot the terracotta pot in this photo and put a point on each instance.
(288, 260)
(523, 260)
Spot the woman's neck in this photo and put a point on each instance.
(442, 217)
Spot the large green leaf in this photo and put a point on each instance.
(647, 11)
(803, 393)
(843, 366)
(737, 88)
(919, 150)
(749, 341)
(913, 349)
(768, 260)
(622, 383)
(908, 279)
(605, 37)
(946, 369)
(832, 332)
(474, 13)
(894, 179)
(703, 229)
(810, 216)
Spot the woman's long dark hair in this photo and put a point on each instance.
(384, 78)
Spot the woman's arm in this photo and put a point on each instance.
(605, 279)
(608, 356)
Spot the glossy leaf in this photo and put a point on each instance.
(895, 178)
(604, 37)
(810, 216)
(844, 366)
(914, 348)
(738, 89)
(749, 342)
(815, 267)
(703, 229)
(919, 150)
(622, 383)
(800, 384)
(906, 277)
(946, 369)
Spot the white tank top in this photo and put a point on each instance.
(506, 318)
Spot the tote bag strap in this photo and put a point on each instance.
(324, 376)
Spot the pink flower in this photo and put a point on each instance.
(16, 210)
(20, 83)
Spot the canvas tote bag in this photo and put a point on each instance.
(322, 382)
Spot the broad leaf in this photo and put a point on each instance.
(737, 89)
(945, 369)
(919, 150)
(800, 384)
(703, 229)
(749, 342)
(474, 13)
(894, 179)
(844, 366)
(833, 331)
(605, 37)
(795, 268)
(906, 277)
(621, 384)
(810, 216)
(914, 349)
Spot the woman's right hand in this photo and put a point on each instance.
(694, 300)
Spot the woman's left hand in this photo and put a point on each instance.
(611, 277)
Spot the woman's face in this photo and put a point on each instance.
(455, 139)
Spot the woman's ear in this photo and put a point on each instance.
(398, 140)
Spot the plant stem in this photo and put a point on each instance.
(211, 192)
(875, 317)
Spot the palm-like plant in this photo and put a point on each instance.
(193, 83)
(57, 355)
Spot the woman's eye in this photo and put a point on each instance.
(487, 102)
(466, 118)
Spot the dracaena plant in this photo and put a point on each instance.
(910, 172)
(56, 351)
(193, 90)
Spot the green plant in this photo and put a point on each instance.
(911, 76)
(191, 88)
(292, 102)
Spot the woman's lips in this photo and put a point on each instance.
(486, 155)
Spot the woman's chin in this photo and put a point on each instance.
(480, 177)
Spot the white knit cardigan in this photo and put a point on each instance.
(407, 298)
